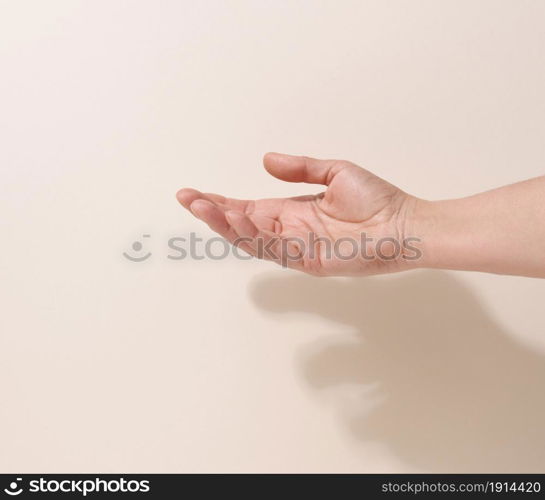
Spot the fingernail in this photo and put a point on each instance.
(194, 208)
(232, 216)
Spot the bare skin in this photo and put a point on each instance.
(501, 231)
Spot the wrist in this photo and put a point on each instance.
(442, 233)
(496, 231)
(455, 234)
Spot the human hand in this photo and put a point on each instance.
(357, 226)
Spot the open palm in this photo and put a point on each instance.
(355, 227)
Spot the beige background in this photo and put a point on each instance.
(108, 107)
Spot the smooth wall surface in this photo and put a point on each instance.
(108, 365)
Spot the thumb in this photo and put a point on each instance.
(301, 168)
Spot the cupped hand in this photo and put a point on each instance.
(357, 226)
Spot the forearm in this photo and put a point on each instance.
(500, 231)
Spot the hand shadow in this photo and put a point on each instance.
(457, 393)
